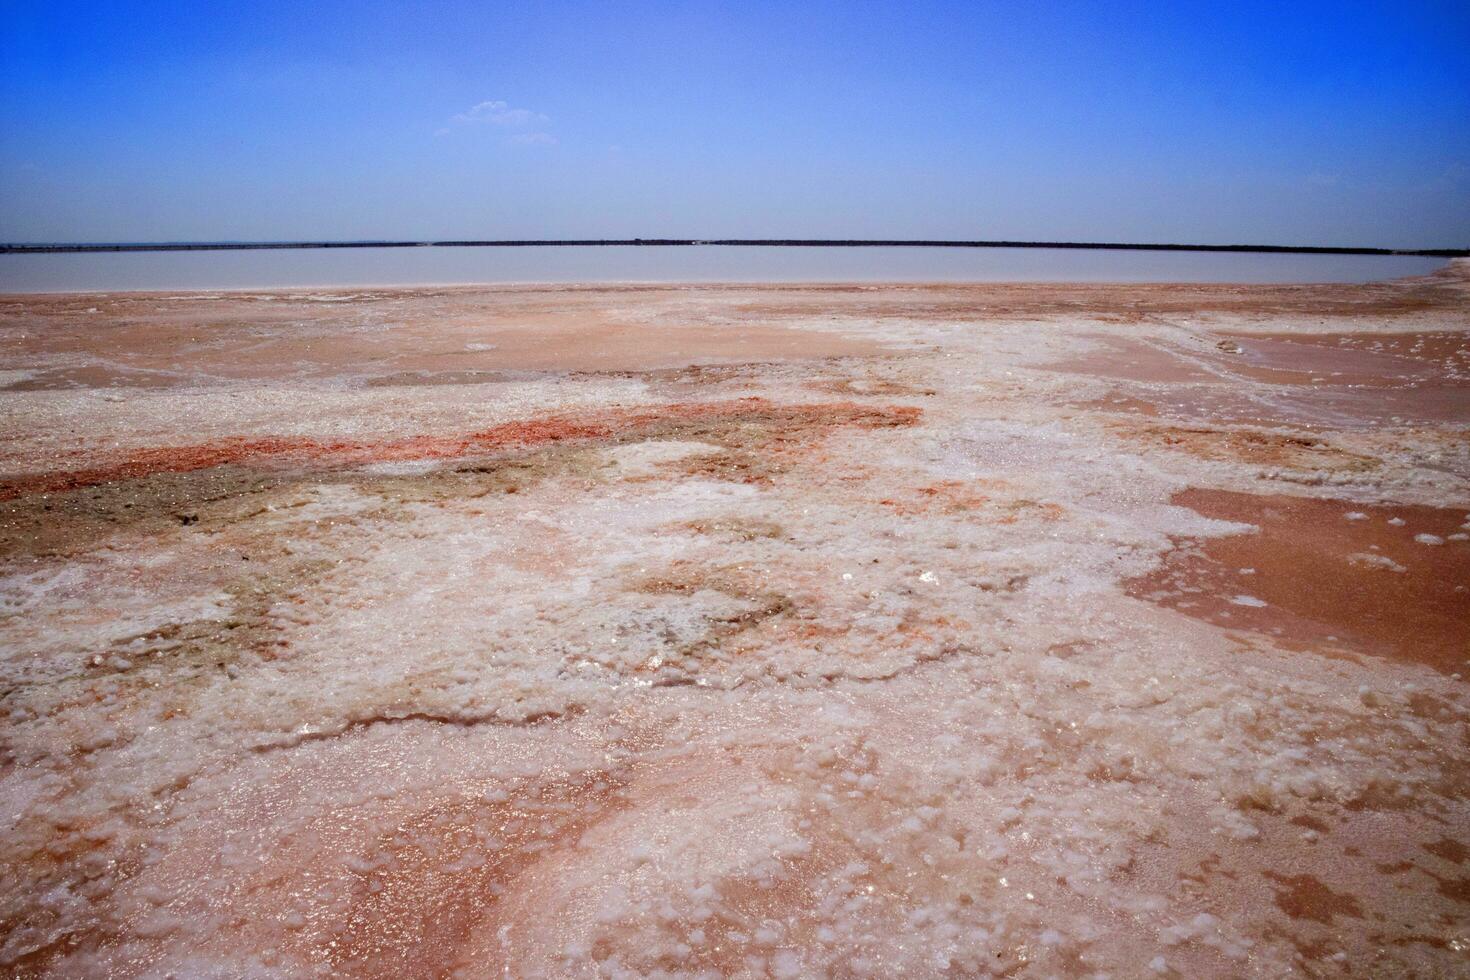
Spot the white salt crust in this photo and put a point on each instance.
(652, 722)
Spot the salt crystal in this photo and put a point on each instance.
(1371, 560)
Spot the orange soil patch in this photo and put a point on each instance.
(1361, 585)
(613, 424)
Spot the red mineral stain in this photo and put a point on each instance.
(615, 424)
(1306, 897)
(141, 463)
(1449, 849)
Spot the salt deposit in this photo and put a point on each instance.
(772, 631)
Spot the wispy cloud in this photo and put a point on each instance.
(498, 113)
(503, 115)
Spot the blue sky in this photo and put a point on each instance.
(1335, 123)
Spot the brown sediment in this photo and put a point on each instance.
(740, 529)
(1449, 849)
(1327, 582)
(619, 424)
(1306, 897)
(868, 386)
(142, 463)
(1455, 889)
(94, 376)
(758, 441)
(1256, 448)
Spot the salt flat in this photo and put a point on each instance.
(1026, 630)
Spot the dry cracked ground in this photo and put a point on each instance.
(818, 631)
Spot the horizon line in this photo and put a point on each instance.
(214, 246)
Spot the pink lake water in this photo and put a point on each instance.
(80, 272)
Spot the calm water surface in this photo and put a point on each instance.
(424, 266)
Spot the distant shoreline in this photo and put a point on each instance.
(24, 248)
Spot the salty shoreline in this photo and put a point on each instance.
(614, 265)
(784, 630)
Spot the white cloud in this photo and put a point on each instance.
(526, 124)
(498, 113)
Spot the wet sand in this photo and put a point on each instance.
(950, 630)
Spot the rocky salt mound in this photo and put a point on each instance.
(737, 631)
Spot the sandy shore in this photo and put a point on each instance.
(1018, 630)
